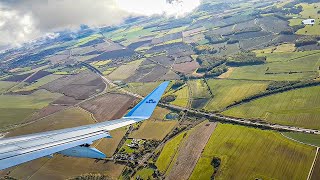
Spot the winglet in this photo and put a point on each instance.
(146, 107)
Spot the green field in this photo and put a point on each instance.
(126, 148)
(87, 39)
(125, 71)
(40, 82)
(168, 153)
(305, 68)
(249, 153)
(182, 97)
(287, 56)
(109, 145)
(199, 89)
(5, 85)
(145, 173)
(17, 108)
(131, 35)
(280, 51)
(142, 89)
(312, 139)
(200, 93)
(225, 91)
(310, 11)
(300, 107)
(67, 118)
(151, 129)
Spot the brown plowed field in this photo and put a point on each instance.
(108, 107)
(66, 101)
(79, 86)
(37, 75)
(18, 78)
(186, 68)
(190, 151)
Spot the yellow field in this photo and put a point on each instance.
(100, 63)
(182, 97)
(109, 145)
(169, 152)
(310, 11)
(249, 153)
(199, 89)
(153, 129)
(125, 71)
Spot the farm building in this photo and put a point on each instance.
(309, 21)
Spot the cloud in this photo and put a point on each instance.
(24, 20)
(152, 7)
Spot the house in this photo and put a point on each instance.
(308, 21)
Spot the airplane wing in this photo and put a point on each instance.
(76, 141)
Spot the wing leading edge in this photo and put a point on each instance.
(71, 141)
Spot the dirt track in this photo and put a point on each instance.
(190, 151)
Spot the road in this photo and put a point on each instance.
(242, 121)
(213, 116)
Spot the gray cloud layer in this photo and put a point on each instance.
(24, 20)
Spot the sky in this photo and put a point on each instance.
(25, 20)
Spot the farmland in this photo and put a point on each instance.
(297, 69)
(242, 149)
(315, 175)
(312, 139)
(125, 71)
(231, 58)
(64, 119)
(168, 152)
(79, 86)
(5, 85)
(182, 97)
(142, 89)
(298, 107)
(145, 173)
(310, 10)
(17, 108)
(225, 92)
(153, 129)
(109, 106)
(190, 150)
(40, 82)
(109, 145)
(199, 93)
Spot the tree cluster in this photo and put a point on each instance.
(306, 40)
(244, 58)
(217, 71)
(205, 49)
(215, 38)
(208, 62)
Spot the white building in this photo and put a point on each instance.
(309, 21)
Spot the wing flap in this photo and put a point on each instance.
(26, 154)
